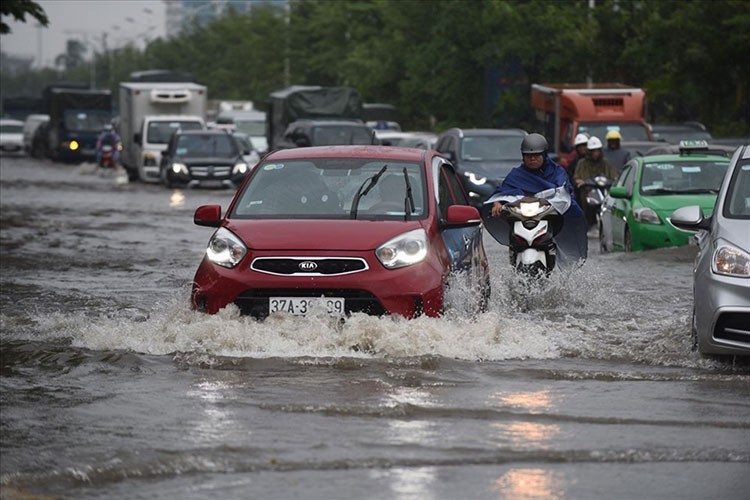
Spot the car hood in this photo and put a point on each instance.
(317, 234)
(664, 205)
(497, 169)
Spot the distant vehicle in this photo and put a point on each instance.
(420, 140)
(203, 158)
(150, 112)
(249, 153)
(306, 133)
(381, 116)
(343, 230)
(11, 135)
(252, 123)
(482, 157)
(673, 133)
(312, 103)
(565, 110)
(30, 137)
(77, 115)
(721, 275)
(634, 215)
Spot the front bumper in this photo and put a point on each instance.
(722, 315)
(408, 291)
(652, 236)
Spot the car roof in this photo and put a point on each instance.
(203, 132)
(318, 123)
(371, 152)
(469, 132)
(675, 158)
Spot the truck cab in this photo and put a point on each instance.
(152, 141)
(564, 110)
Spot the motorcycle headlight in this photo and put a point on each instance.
(180, 168)
(731, 261)
(403, 250)
(225, 249)
(646, 216)
(475, 179)
(239, 168)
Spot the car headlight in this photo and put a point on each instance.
(403, 250)
(731, 261)
(73, 145)
(180, 168)
(239, 168)
(475, 179)
(646, 216)
(225, 249)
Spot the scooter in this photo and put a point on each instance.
(593, 193)
(533, 223)
(107, 158)
(532, 229)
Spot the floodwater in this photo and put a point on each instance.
(112, 388)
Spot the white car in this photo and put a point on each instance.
(721, 276)
(11, 135)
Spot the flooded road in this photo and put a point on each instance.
(112, 388)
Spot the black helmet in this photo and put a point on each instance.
(534, 143)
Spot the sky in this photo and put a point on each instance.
(122, 21)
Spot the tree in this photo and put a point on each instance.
(18, 9)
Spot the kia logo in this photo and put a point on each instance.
(308, 265)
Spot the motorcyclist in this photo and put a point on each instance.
(579, 151)
(536, 173)
(617, 156)
(593, 165)
(108, 137)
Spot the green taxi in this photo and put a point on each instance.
(634, 213)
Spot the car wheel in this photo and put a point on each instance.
(628, 241)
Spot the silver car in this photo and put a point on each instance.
(721, 278)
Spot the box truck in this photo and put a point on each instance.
(150, 112)
(563, 110)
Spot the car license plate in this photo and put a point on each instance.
(300, 306)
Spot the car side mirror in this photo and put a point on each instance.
(619, 192)
(208, 215)
(302, 141)
(690, 219)
(451, 155)
(461, 216)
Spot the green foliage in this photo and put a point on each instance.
(438, 61)
(18, 9)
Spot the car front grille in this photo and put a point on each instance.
(734, 327)
(210, 171)
(255, 302)
(301, 266)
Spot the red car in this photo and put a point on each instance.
(373, 229)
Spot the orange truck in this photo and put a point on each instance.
(564, 110)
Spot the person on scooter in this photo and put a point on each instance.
(593, 165)
(535, 174)
(614, 153)
(108, 137)
(579, 152)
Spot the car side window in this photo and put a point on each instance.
(459, 195)
(628, 177)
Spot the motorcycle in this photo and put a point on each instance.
(107, 158)
(532, 229)
(593, 192)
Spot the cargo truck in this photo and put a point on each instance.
(563, 110)
(76, 118)
(150, 112)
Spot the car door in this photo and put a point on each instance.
(622, 206)
(463, 244)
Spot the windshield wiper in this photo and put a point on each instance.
(408, 199)
(361, 193)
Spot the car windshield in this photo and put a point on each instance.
(208, 145)
(88, 120)
(683, 177)
(628, 131)
(737, 202)
(327, 189)
(9, 128)
(161, 132)
(488, 148)
(331, 135)
(251, 127)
